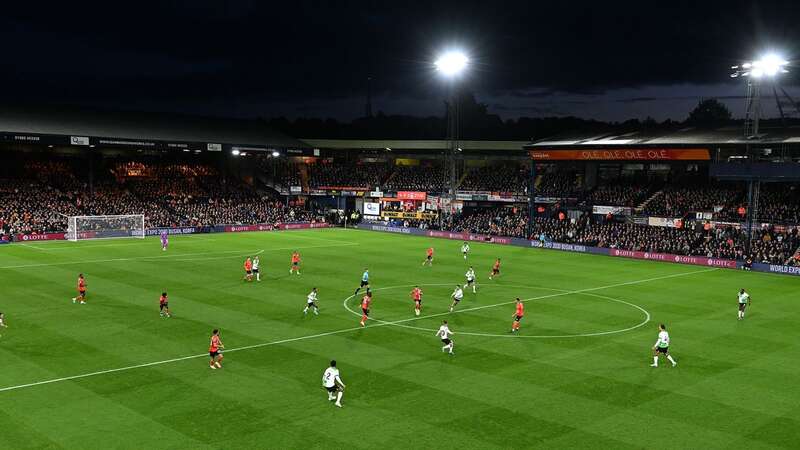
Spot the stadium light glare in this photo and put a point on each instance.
(451, 63)
(235, 152)
(275, 153)
(772, 64)
(769, 65)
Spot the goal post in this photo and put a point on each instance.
(80, 228)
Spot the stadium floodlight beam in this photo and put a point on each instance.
(275, 153)
(235, 152)
(452, 63)
(764, 70)
(768, 65)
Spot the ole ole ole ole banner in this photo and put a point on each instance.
(628, 154)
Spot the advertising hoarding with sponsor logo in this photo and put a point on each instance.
(622, 154)
(41, 237)
(372, 209)
(615, 210)
(79, 140)
(681, 259)
(664, 222)
(411, 195)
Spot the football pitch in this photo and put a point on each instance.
(114, 374)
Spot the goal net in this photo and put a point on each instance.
(105, 227)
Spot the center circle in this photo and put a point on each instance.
(403, 323)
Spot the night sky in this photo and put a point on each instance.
(602, 60)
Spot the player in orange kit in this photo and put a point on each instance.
(81, 290)
(365, 302)
(248, 269)
(518, 313)
(416, 295)
(429, 257)
(495, 269)
(214, 350)
(295, 263)
(163, 304)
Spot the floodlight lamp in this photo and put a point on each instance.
(235, 152)
(452, 63)
(275, 153)
(768, 66)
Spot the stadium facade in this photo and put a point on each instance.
(401, 184)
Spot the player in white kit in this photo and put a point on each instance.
(457, 295)
(334, 384)
(465, 250)
(744, 301)
(662, 347)
(470, 275)
(256, 264)
(444, 333)
(311, 302)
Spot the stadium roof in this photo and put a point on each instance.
(408, 144)
(685, 136)
(140, 126)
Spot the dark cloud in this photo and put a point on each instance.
(265, 58)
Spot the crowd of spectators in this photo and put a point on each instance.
(768, 245)
(428, 178)
(502, 221)
(773, 247)
(779, 203)
(167, 195)
(41, 196)
(497, 178)
(133, 169)
(281, 171)
(346, 174)
(558, 184)
(676, 201)
(618, 194)
(28, 206)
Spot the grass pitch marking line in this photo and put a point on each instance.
(181, 255)
(52, 246)
(89, 261)
(541, 297)
(562, 292)
(41, 249)
(184, 358)
(288, 340)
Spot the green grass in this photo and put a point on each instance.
(734, 387)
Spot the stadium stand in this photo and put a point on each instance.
(425, 178)
(347, 174)
(620, 194)
(497, 178)
(558, 184)
(168, 195)
(677, 201)
(495, 222)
